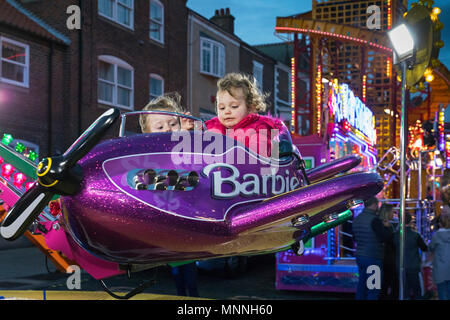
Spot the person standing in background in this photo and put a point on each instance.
(370, 234)
(440, 247)
(412, 260)
(389, 286)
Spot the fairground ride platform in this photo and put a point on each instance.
(80, 295)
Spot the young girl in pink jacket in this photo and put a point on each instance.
(238, 102)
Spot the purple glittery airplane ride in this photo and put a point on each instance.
(152, 199)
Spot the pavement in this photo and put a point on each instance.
(26, 268)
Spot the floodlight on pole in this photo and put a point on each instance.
(402, 41)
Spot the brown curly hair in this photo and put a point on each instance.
(254, 98)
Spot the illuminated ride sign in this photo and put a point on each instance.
(351, 121)
(351, 113)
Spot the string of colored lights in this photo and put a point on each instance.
(334, 35)
(20, 147)
(319, 97)
(12, 176)
(19, 183)
(389, 14)
(9, 173)
(293, 95)
(447, 153)
(388, 67)
(364, 85)
(16, 180)
(441, 130)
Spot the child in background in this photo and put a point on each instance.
(440, 247)
(238, 102)
(162, 122)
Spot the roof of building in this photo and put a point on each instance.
(15, 15)
(281, 52)
(233, 36)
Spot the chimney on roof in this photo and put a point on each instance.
(224, 19)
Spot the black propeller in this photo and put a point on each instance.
(57, 175)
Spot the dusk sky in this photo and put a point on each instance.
(255, 19)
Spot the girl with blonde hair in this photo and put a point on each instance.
(238, 102)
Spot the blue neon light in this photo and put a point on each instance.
(345, 105)
(362, 144)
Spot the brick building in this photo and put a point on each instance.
(124, 53)
(33, 78)
(84, 57)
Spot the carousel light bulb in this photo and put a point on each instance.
(32, 155)
(436, 10)
(429, 77)
(28, 185)
(7, 138)
(7, 170)
(20, 147)
(19, 178)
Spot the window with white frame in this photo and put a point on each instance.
(258, 69)
(120, 11)
(156, 21)
(115, 82)
(14, 62)
(156, 86)
(212, 57)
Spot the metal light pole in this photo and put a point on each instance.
(403, 128)
(403, 44)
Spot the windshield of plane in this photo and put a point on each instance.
(157, 121)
